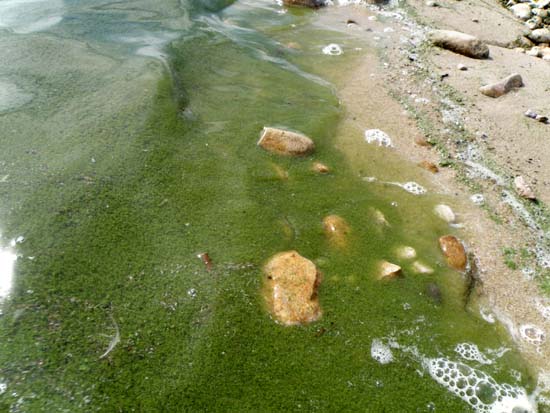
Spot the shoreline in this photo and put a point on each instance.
(406, 93)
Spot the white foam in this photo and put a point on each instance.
(470, 352)
(478, 199)
(532, 334)
(477, 388)
(381, 352)
(376, 136)
(413, 188)
(7, 264)
(487, 315)
(333, 50)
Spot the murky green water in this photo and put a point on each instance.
(128, 135)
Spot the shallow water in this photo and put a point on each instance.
(129, 136)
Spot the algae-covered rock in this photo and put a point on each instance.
(454, 252)
(284, 142)
(461, 43)
(336, 230)
(291, 284)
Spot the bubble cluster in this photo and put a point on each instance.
(333, 49)
(532, 334)
(478, 199)
(381, 352)
(413, 188)
(469, 351)
(378, 137)
(477, 388)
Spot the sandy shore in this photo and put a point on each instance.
(414, 91)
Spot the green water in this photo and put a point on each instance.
(121, 169)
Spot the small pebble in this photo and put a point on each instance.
(462, 67)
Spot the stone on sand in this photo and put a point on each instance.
(291, 284)
(461, 43)
(540, 35)
(284, 142)
(523, 189)
(498, 89)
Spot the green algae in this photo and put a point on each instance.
(118, 238)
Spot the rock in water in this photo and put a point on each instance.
(445, 213)
(523, 189)
(336, 229)
(454, 252)
(320, 168)
(461, 43)
(405, 252)
(498, 89)
(434, 292)
(421, 268)
(291, 284)
(389, 271)
(284, 142)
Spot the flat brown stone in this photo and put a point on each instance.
(291, 284)
(284, 142)
(429, 166)
(454, 252)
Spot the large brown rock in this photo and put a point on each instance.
(454, 252)
(461, 43)
(284, 142)
(336, 229)
(291, 284)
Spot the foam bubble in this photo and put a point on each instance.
(478, 199)
(381, 352)
(477, 388)
(333, 50)
(487, 315)
(532, 334)
(470, 352)
(413, 188)
(378, 137)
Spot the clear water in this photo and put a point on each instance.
(128, 134)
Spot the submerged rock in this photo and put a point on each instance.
(461, 43)
(434, 292)
(320, 168)
(498, 89)
(379, 217)
(454, 252)
(336, 229)
(421, 268)
(283, 142)
(406, 252)
(389, 271)
(291, 284)
(445, 213)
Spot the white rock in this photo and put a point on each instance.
(421, 268)
(406, 252)
(445, 213)
(540, 35)
(521, 11)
